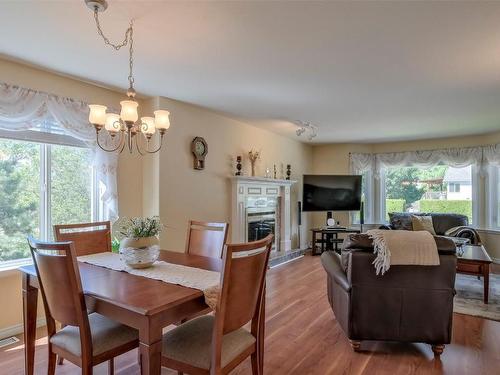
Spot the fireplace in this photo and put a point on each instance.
(261, 206)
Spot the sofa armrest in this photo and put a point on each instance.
(331, 264)
(464, 232)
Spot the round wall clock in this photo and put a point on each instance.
(199, 148)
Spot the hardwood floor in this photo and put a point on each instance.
(304, 338)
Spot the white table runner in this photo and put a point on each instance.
(191, 277)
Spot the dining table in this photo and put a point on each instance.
(145, 304)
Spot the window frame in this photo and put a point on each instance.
(45, 142)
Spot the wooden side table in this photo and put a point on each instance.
(474, 260)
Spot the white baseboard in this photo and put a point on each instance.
(19, 328)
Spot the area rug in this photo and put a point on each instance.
(469, 297)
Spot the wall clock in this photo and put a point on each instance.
(199, 148)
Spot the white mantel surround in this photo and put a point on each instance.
(244, 187)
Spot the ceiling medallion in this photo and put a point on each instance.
(306, 128)
(124, 128)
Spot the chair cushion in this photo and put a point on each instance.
(106, 334)
(191, 343)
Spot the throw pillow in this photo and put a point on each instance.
(400, 220)
(423, 223)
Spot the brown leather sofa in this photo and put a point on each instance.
(445, 224)
(407, 303)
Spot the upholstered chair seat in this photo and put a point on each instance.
(106, 335)
(191, 343)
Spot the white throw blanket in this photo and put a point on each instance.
(197, 278)
(403, 247)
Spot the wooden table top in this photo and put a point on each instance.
(142, 295)
(475, 253)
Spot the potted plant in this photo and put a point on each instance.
(140, 246)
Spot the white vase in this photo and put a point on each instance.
(139, 252)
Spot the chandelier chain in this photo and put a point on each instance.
(128, 40)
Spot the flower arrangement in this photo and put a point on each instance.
(253, 156)
(140, 227)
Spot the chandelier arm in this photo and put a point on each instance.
(111, 149)
(159, 147)
(138, 147)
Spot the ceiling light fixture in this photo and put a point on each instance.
(310, 130)
(126, 123)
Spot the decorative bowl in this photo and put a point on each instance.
(140, 252)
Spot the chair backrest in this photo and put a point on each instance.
(242, 284)
(59, 280)
(206, 239)
(88, 238)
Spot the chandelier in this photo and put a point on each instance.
(124, 129)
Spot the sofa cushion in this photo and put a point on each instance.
(441, 221)
(422, 223)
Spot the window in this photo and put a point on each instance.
(42, 184)
(453, 187)
(436, 189)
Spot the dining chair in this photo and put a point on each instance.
(88, 238)
(216, 344)
(86, 339)
(206, 239)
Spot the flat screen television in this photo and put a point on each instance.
(331, 193)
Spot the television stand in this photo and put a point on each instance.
(327, 238)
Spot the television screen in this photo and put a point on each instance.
(331, 193)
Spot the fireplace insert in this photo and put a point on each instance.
(260, 222)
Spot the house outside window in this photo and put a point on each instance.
(439, 189)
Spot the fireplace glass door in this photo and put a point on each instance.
(260, 223)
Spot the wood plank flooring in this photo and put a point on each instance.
(304, 338)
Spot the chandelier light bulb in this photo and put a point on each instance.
(129, 110)
(113, 124)
(97, 114)
(162, 120)
(148, 125)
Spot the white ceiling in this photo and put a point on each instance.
(361, 71)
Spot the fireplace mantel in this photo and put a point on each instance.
(245, 187)
(262, 180)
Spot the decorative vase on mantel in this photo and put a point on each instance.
(253, 156)
(140, 246)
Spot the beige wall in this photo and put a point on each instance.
(334, 158)
(185, 193)
(129, 189)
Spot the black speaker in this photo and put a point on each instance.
(362, 214)
(299, 213)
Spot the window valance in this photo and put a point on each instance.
(27, 109)
(480, 156)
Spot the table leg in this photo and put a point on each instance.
(30, 299)
(313, 250)
(486, 275)
(150, 350)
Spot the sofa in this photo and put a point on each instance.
(406, 304)
(450, 225)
